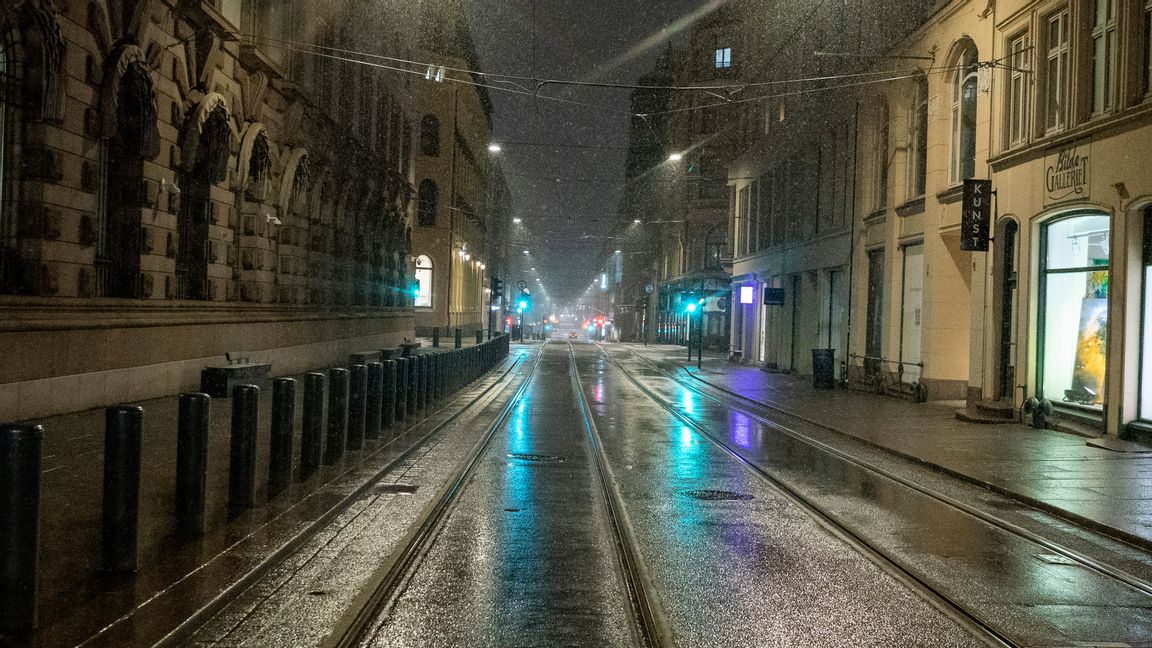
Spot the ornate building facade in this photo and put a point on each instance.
(181, 179)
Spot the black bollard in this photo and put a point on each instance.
(413, 385)
(402, 389)
(388, 401)
(374, 409)
(337, 415)
(312, 427)
(434, 385)
(123, 434)
(242, 455)
(425, 379)
(357, 405)
(436, 336)
(192, 462)
(20, 451)
(283, 431)
(459, 338)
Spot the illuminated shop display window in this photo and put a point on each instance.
(1074, 309)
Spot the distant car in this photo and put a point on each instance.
(572, 335)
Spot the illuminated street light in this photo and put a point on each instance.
(494, 148)
(636, 222)
(516, 221)
(525, 251)
(675, 157)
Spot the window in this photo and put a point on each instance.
(1146, 323)
(918, 140)
(1056, 73)
(880, 175)
(1148, 47)
(423, 282)
(1104, 57)
(1074, 282)
(230, 9)
(723, 58)
(1018, 59)
(963, 164)
(430, 135)
(426, 206)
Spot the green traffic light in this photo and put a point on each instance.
(691, 307)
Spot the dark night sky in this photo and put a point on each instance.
(602, 40)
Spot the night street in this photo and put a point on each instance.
(504, 323)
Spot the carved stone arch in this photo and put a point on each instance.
(206, 140)
(955, 51)
(128, 101)
(253, 90)
(100, 26)
(43, 49)
(254, 163)
(296, 176)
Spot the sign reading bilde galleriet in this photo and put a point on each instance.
(976, 219)
(1066, 174)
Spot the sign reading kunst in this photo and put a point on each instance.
(1066, 174)
(976, 215)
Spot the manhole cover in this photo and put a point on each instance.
(404, 489)
(715, 495)
(537, 458)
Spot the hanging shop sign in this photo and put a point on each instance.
(1067, 173)
(976, 218)
(773, 296)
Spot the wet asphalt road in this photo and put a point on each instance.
(527, 555)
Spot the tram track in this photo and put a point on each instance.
(649, 619)
(750, 406)
(385, 586)
(427, 427)
(972, 621)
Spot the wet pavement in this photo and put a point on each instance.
(747, 527)
(1055, 471)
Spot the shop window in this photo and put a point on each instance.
(1074, 278)
(1145, 412)
(918, 140)
(1019, 55)
(964, 86)
(426, 207)
(1104, 56)
(430, 135)
(423, 282)
(1056, 72)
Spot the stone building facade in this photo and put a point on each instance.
(181, 179)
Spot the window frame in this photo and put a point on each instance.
(967, 72)
(430, 271)
(918, 140)
(722, 57)
(1104, 36)
(1019, 95)
(1058, 66)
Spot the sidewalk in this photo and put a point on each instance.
(179, 576)
(1103, 489)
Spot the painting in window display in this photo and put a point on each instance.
(1075, 333)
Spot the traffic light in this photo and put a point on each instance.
(497, 288)
(524, 302)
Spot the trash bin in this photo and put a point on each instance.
(824, 368)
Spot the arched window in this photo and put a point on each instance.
(964, 85)
(423, 282)
(426, 208)
(430, 135)
(918, 140)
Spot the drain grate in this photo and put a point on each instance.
(716, 495)
(403, 489)
(537, 458)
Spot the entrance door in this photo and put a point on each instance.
(913, 308)
(1007, 373)
(837, 298)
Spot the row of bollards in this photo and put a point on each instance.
(363, 401)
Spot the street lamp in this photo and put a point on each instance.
(675, 157)
(516, 221)
(494, 148)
